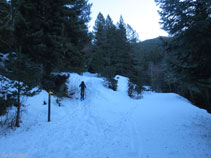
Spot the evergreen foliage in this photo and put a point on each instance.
(7, 100)
(189, 57)
(23, 75)
(57, 33)
(112, 49)
(97, 61)
(148, 57)
(45, 37)
(5, 45)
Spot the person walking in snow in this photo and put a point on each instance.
(83, 86)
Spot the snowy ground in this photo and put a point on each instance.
(109, 124)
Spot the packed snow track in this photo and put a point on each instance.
(109, 124)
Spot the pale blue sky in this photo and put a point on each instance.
(140, 14)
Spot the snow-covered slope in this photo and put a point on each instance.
(109, 124)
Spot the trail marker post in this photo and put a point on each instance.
(49, 105)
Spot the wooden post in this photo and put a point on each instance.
(49, 106)
(18, 108)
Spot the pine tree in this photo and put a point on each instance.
(5, 45)
(56, 31)
(132, 35)
(110, 48)
(53, 34)
(98, 62)
(188, 53)
(104, 46)
(123, 60)
(23, 75)
(76, 33)
(190, 48)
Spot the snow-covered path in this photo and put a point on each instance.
(109, 124)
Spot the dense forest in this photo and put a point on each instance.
(39, 39)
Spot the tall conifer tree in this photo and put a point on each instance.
(56, 31)
(5, 16)
(97, 64)
(189, 57)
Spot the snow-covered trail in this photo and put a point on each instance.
(109, 124)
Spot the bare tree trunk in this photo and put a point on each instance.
(207, 95)
(190, 92)
(170, 89)
(18, 108)
(151, 75)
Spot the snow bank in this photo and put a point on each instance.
(122, 83)
(108, 124)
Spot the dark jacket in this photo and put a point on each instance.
(82, 85)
